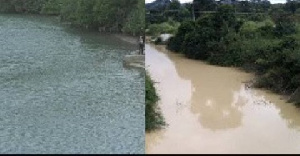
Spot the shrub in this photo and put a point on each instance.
(271, 49)
(51, 7)
(281, 66)
(257, 17)
(166, 27)
(249, 29)
(153, 117)
(284, 26)
(175, 43)
(194, 46)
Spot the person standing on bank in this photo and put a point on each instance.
(141, 43)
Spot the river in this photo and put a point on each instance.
(209, 109)
(65, 90)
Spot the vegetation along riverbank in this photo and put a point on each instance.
(257, 36)
(154, 119)
(119, 16)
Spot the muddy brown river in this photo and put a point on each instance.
(209, 109)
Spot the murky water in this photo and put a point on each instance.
(210, 110)
(66, 91)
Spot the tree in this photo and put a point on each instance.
(204, 5)
(292, 5)
(6, 6)
(265, 4)
(244, 6)
(52, 7)
(174, 5)
(135, 23)
(115, 15)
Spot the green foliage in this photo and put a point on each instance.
(52, 7)
(206, 35)
(160, 13)
(285, 25)
(175, 42)
(135, 22)
(32, 6)
(205, 5)
(21, 6)
(249, 29)
(225, 17)
(256, 17)
(292, 6)
(269, 47)
(169, 27)
(199, 38)
(267, 28)
(252, 29)
(281, 66)
(113, 15)
(153, 120)
(7, 6)
(177, 12)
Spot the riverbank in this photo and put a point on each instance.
(86, 14)
(265, 46)
(153, 118)
(210, 109)
(127, 38)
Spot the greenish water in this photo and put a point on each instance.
(66, 91)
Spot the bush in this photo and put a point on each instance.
(194, 46)
(153, 120)
(273, 52)
(175, 43)
(264, 28)
(166, 27)
(127, 16)
(285, 25)
(7, 6)
(52, 7)
(257, 17)
(266, 31)
(249, 29)
(281, 66)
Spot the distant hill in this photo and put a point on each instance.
(158, 4)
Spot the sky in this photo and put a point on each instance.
(184, 1)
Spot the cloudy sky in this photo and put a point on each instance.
(184, 1)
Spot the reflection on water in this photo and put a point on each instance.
(209, 109)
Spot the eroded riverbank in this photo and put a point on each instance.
(209, 109)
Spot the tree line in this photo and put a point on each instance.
(127, 16)
(268, 46)
(158, 12)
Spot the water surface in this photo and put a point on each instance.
(209, 109)
(65, 91)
